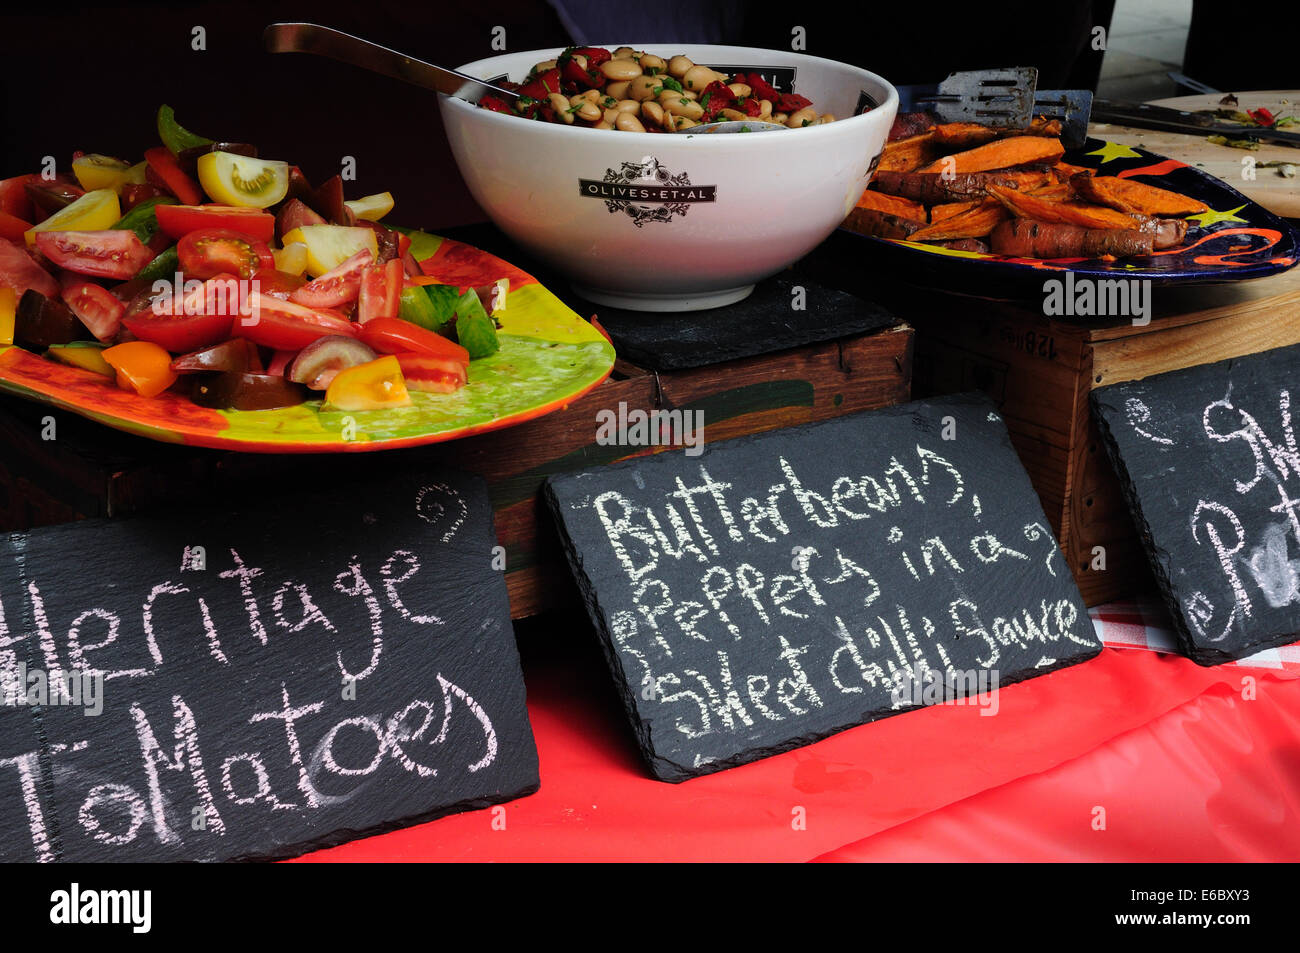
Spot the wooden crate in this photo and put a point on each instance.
(1041, 371)
(89, 470)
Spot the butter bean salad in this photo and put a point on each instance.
(633, 91)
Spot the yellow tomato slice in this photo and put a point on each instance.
(95, 211)
(89, 357)
(8, 308)
(372, 207)
(231, 179)
(374, 385)
(328, 246)
(142, 366)
(101, 172)
(291, 259)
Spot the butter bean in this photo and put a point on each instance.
(620, 69)
(797, 119)
(643, 87)
(678, 65)
(740, 89)
(682, 107)
(697, 77)
(652, 111)
(618, 90)
(628, 123)
(561, 107)
(589, 112)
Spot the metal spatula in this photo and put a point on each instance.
(990, 97)
(1072, 107)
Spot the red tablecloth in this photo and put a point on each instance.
(1184, 766)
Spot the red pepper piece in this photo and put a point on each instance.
(595, 55)
(581, 79)
(751, 107)
(1262, 116)
(542, 85)
(762, 89)
(715, 98)
(792, 103)
(495, 103)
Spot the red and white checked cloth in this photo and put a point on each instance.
(1143, 623)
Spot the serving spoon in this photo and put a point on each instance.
(346, 48)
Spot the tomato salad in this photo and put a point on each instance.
(211, 271)
(632, 91)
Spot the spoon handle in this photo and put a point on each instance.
(322, 41)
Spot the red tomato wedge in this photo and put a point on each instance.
(95, 306)
(285, 326)
(340, 285)
(111, 253)
(14, 199)
(216, 251)
(198, 318)
(277, 284)
(381, 291)
(19, 272)
(395, 336)
(179, 220)
(13, 228)
(437, 375)
(164, 165)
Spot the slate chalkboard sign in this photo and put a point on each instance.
(1209, 463)
(254, 683)
(785, 586)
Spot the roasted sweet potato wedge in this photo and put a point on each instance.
(975, 222)
(932, 188)
(959, 136)
(1001, 154)
(869, 221)
(1125, 195)
(1024, 205)
(906, 155)
(892, 205)
(1025, 238)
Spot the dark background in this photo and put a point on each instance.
(93, 76)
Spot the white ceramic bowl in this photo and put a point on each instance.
(674, 222)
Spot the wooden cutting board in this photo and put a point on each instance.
(1279, 195)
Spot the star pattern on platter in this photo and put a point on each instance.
(1206, 219)
(1115, 150)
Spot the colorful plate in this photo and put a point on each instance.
(1236, 239)
(549, 357)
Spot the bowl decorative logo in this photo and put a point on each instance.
(646, 191)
